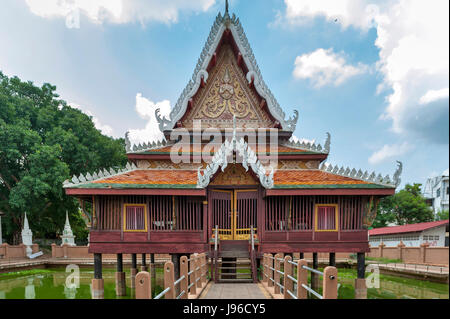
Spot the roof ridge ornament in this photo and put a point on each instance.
(311, 146)
(102, 174)
(364, 176)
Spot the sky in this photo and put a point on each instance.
(375, 74)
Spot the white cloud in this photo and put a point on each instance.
(434, 95)
(413, 42)
(119, 11)
(324, 67)
(390, 152)
(105, 129)
(146, 110)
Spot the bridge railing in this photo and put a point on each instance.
(272, 274)
(193, 276)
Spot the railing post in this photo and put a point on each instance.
(302, 278)
(184, 272)
(169, 280)
(203, 268)
(265, 268)
(330, 283)
(198, 274)
(288, 283)
(143, 284)
(193, 277)
(270, 265)
(276, 274)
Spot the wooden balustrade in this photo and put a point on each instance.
(193, 276)
(272, 271)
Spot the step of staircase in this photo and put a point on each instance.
(234, 254)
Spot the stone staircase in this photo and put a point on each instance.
(234, 264)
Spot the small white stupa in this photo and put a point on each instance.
(68, 237)
(27, 235)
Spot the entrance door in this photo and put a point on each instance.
(234, 212)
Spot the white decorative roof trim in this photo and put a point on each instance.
(220, 25)
(311, 147)
(364, 176)
(96, 176)
(143, 147)
(220, 160)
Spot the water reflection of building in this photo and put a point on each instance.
(432, 233)
(30, 292)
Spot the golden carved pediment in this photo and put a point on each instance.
(225, 95)
(234, 174)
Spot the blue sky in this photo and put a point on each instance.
(375, 77)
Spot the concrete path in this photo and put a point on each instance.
(235, 291)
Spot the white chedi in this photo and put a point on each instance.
(68, 237)
(27, 236)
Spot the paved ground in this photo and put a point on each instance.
(235, 291)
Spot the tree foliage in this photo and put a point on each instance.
(43, 142)
(407, 206)
(442, 215)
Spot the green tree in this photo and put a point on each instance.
(43, 142)
(442, 215)
(407, 206)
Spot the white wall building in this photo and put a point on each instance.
(433, 233)
(436, 191)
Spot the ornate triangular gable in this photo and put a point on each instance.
(227, 94)
(226, 24)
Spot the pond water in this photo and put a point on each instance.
(51, 284)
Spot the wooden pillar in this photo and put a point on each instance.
(143, 285)
(169, 280)
(302, 278)
(332, 259)
(276, 274)
(288, 283)
(270, 271)
(133, 271)
(184, 269)
(144, 263)
(315, 277)
(97, 282)
(360, 281)
(193, 276)
(121, 288)
(198, 273)
(330, 282)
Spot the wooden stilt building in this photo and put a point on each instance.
(173, 194)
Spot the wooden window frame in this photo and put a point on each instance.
(336, 214)
(125, 206)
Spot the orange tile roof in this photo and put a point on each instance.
(157, 177)
(313, 177)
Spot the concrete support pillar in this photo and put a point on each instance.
(315, 277)
(360, 282)
(121, 287)
(332, 259)
(380, 250)
(144, 263)
(400, 247)
(133, 271)
(98, 291)
(152, 267)
(176, 268)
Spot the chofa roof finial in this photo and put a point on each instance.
(226, 6)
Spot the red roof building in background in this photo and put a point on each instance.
(434, 233)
